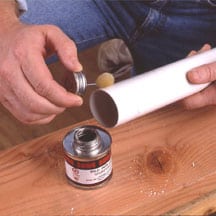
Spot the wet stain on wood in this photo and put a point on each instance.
(159, 161)
(210, 212)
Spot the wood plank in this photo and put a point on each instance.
(205, 205)
(161, 162)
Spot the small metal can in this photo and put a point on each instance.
(88, 161)
(76, 82)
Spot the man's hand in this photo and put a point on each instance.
(27, 88)
(203, 74)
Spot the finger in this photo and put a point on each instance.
(30, 100)
(203, 74)
(201, 99)
(25, 117)
(197, 75)
(205, 47)
(44, 120)
(16, 88)
(65, 48)
(39, 76)
(192, 53)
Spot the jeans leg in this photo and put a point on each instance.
(82, 20)
(157, 32)
(171, 32)
(87, 22)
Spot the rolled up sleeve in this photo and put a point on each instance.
(22, 4)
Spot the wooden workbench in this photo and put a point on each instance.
(163, 163)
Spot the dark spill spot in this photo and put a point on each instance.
(210, 212)
(159, 161)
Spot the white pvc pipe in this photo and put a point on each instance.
(131, 98)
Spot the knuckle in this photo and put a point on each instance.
(70, 52)
(187, 104)
(20, 43)
(211, 96)
(32, 107)
(209, 101)
(29, 117)
(42, 120)
(43, 89)
(5, 72)
(52, 28)
(210, 73)
(26, 119)
(24, 115)
(46, 120)
(18, 51)
(4, 69)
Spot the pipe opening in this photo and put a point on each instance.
(103, 108)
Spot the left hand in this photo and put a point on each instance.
(202, 74)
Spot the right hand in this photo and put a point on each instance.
(203, 74)
(27, 88)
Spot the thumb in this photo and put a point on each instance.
(203, 74)
(64, 47)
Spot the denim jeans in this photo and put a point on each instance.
(157, 32)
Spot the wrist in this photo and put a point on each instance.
(9, 13)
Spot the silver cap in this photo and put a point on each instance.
(76, 82)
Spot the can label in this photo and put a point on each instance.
(89, 173)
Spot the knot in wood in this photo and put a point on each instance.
(159, 161)
(210, 212)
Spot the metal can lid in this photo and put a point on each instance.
(76, 82)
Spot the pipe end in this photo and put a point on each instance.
(103, 108)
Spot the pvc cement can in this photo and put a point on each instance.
(88, 161)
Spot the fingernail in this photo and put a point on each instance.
(79, 68)
(196, 76)
(79, 101)
(206, 47)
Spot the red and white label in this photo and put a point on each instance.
(88, 173)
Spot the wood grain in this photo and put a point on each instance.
(204, 205)
(162, 162)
